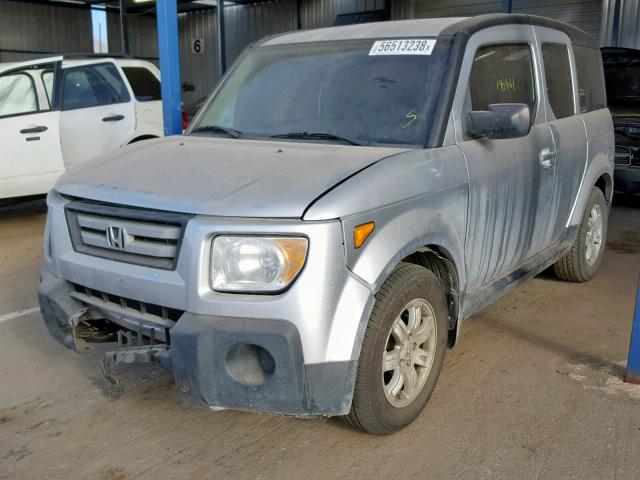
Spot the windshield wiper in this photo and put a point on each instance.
(218, 129)
(319, 136)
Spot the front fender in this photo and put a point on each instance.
(436, 219)
(416, 198)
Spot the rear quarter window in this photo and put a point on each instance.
(145, 85)
(591, 91)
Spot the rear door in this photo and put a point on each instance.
(567, 128)
(500, 66)
(98, 114)
(30, 155)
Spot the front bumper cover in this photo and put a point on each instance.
(213, 368)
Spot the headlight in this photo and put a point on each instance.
(256, 264)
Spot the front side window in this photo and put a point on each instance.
(145, 85)
(92, 86)
(502, 74)
(345, 89)
(558, 75)
(17, 94)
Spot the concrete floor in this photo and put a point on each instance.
(533, 390)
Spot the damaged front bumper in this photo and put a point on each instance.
(254, 364)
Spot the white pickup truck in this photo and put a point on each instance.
(59, 111)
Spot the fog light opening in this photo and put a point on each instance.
(249, 364)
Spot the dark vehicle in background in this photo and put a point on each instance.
(622, 75)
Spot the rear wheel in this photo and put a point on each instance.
(402, 351)
(583, 260)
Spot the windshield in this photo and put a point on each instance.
(334, 91)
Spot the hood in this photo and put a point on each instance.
(219, 176)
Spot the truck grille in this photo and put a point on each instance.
(142, 237)
(623, 155)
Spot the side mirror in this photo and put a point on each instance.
(502, 120)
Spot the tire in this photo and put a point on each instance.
(372, 409)
(581, 263)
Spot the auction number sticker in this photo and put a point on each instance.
(409, 46)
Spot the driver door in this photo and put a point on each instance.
(504, 215)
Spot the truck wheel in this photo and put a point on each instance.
(583, 260)
(402, 351)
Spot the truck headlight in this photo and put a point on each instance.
(256, 264)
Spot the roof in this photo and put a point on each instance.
(73, 60)
(430, 27)
(427, 27)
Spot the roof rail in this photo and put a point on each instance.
(94, 55)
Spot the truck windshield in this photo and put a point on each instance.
(330, 91)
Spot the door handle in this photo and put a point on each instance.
(113, 118)
(34, 129)
(546, 158)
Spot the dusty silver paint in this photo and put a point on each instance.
(495, 208)
(218, 176)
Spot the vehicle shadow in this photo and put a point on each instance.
(17, 208)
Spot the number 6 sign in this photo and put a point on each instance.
(197, 45)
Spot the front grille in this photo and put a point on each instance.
(145, 319)
(624, 155)
(162, 315)
(142, 237)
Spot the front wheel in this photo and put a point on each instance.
(402, 351)
(583, 260)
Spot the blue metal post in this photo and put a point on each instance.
(167, 15)
(506, 6)
(633, 362)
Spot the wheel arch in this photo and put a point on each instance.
(439, 261)
(605, 183)
(599, 174)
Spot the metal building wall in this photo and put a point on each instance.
(621, 24)
(143, 37)
(249, 23)
(30, 30)
(198, 70)
(585, 14)
(245, 24)
(323, 13)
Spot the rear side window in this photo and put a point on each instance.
(591, 93)
(145, 85)
(502, 74)
(17, 94)
(92, 86)
(558, 75)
